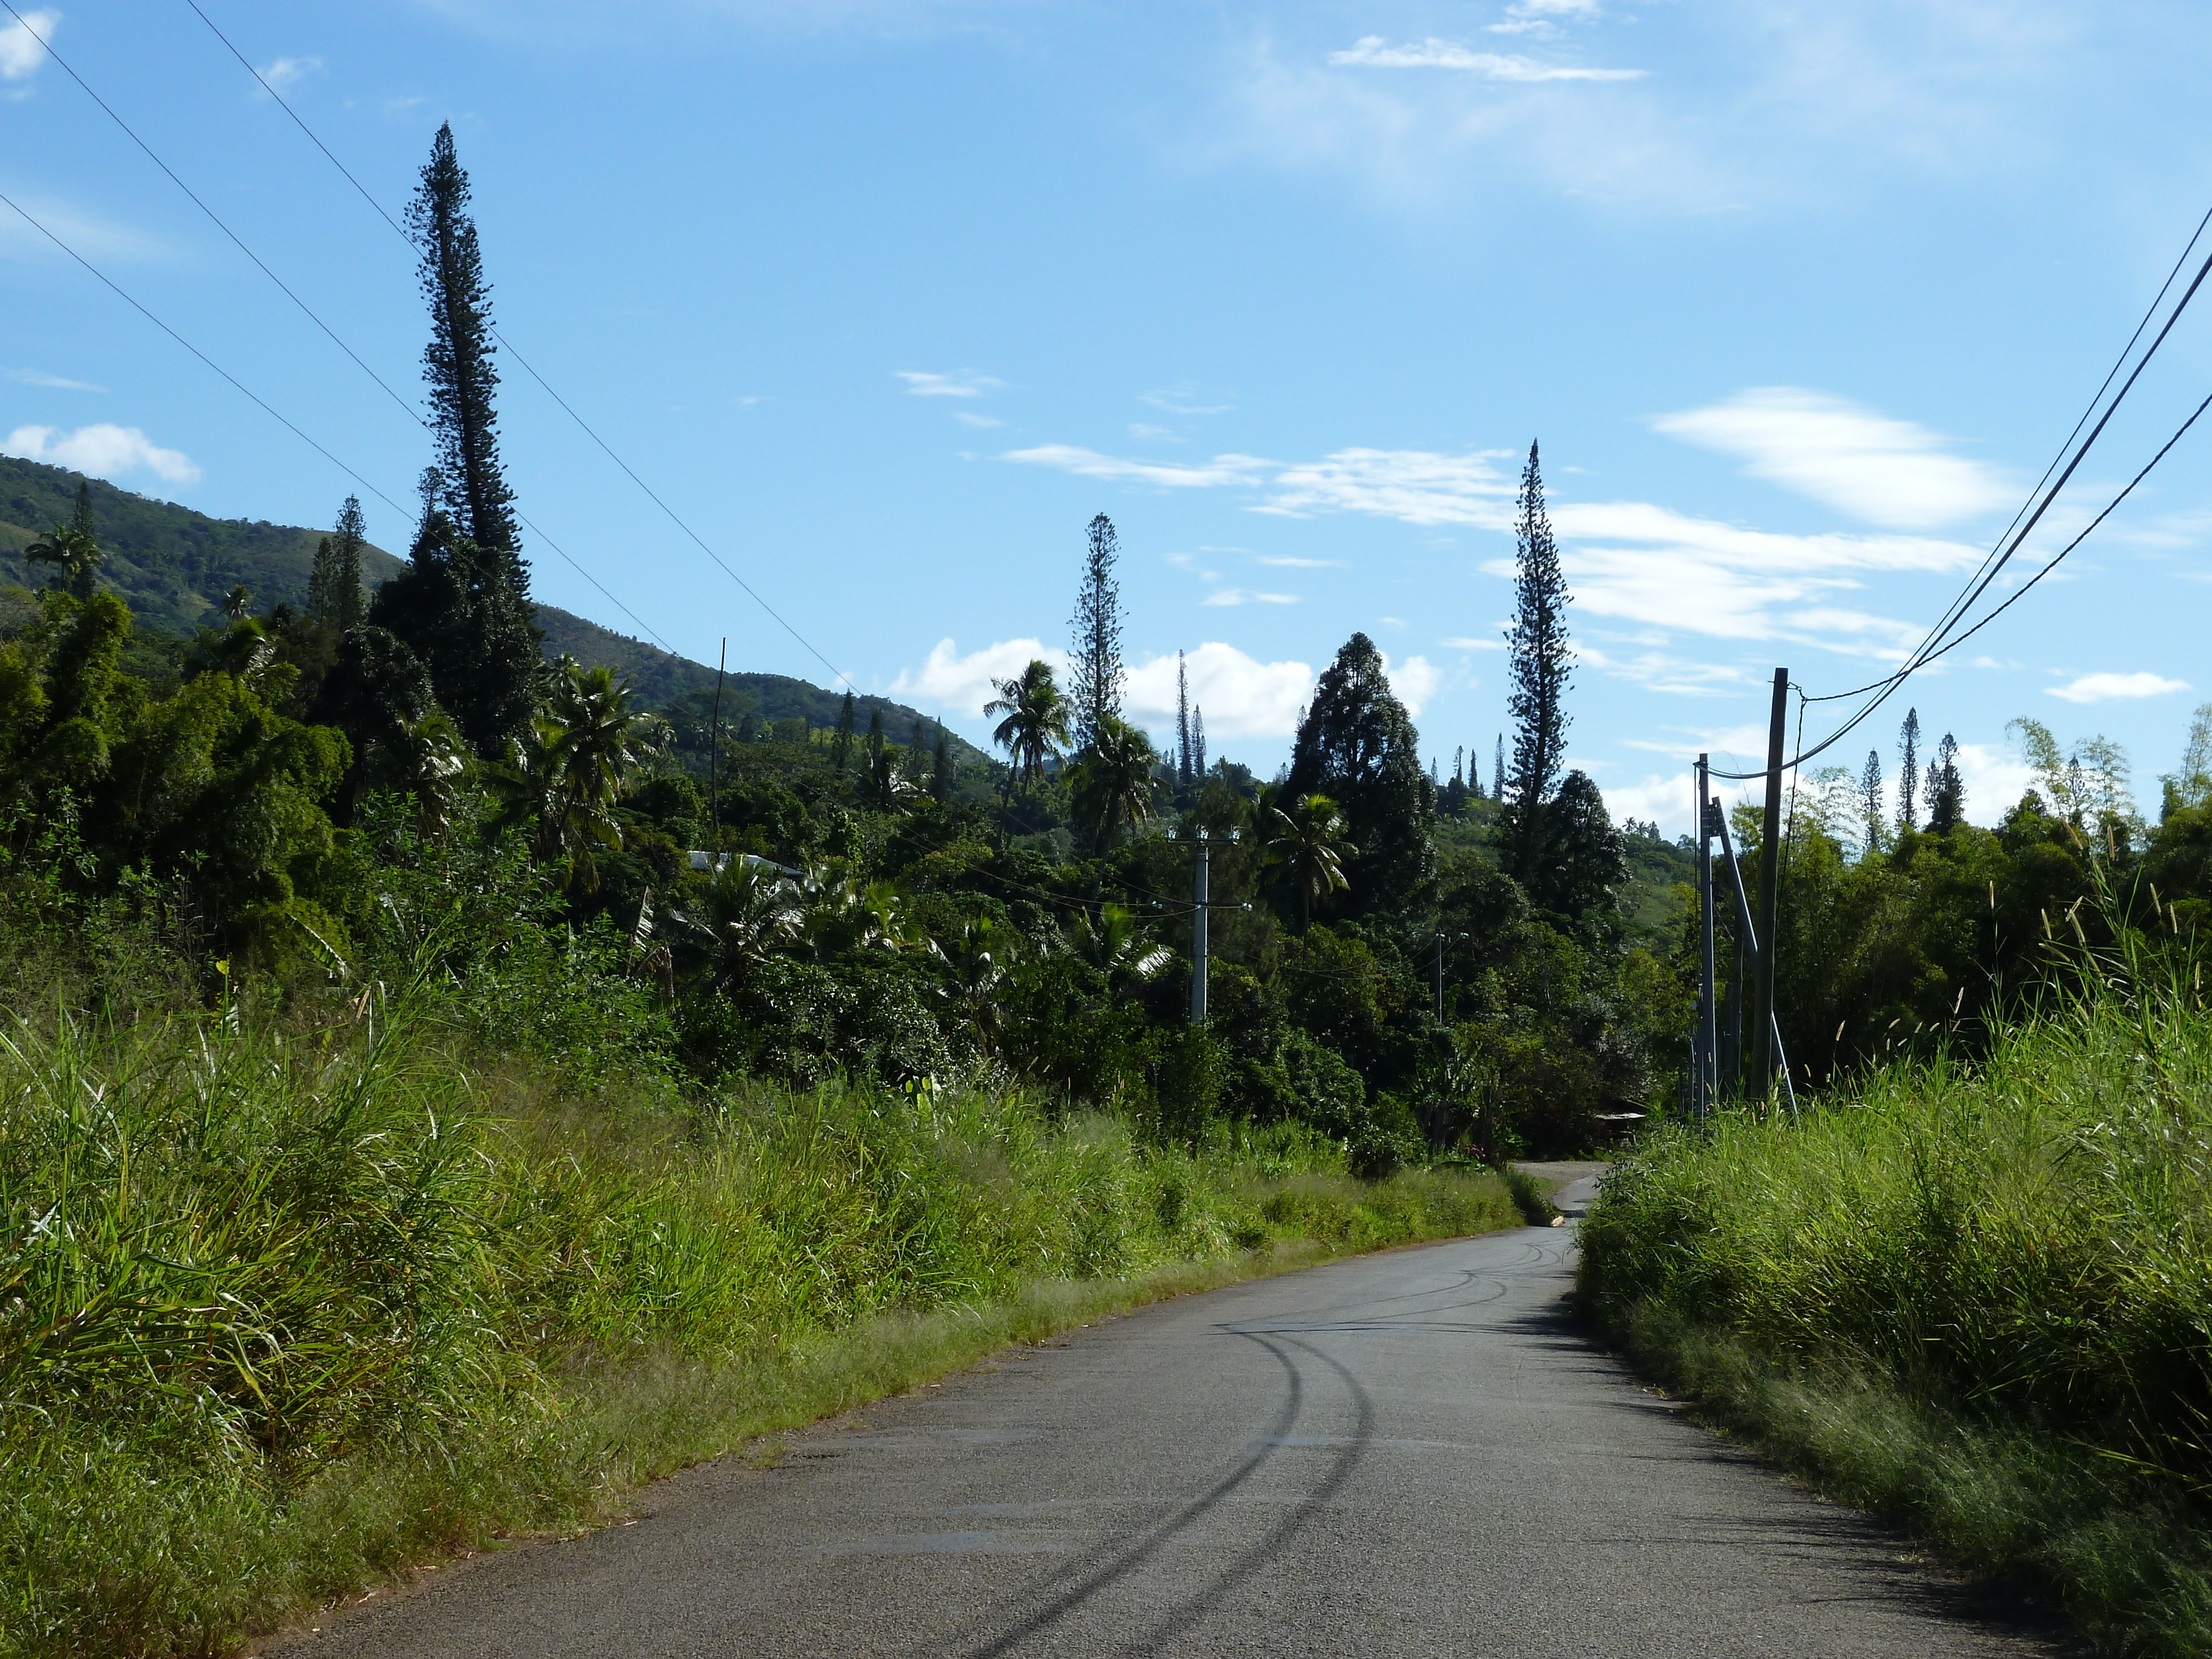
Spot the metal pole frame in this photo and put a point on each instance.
(1743, 920)
(1706, 1031)
(1199, 943)
(1769, 886)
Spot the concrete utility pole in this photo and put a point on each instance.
(1198, 940)
(1702, 1091)
(1770, 884)
(1200, 904)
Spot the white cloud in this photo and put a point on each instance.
(22, 45)
(1089, 464)
(1415, 486)
(102, 451)
(287, 72)
(1288, 562)
(1415, 680)
(95, 239)
(1240, 696)
(1178, 402)
(1464, 644)
(1373, 51)
(1886, 471)
(965, 384)
(1667, 800)
(964, 685)
(1246, 596)
(1995, 782)
(1144, 433)
(2104, 688)
(59, 383)
(968, 418)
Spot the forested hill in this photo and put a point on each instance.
(173, 566)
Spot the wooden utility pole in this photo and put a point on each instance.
(1770, 891)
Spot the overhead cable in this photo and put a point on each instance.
(406, 408)
(508, 345)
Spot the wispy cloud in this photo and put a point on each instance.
(101, 450)
(1883, 471)
(1414, 486)
(1246, 596)
(969, 417)
(1290, 561)
(1089, 464)
(22, 44)
(1373, 51)
(2106, 688)
(1144, 433)
(95, 239)
(967, 383)
(287, 72)
(57, 382)
(1180, 402)
(1462, 642)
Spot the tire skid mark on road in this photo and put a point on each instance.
(1351, 1449)
(1091, 1575)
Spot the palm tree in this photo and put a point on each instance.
(608, 740)
(975, 960)
(1114, 947)
(238, 604)
(1307, 843)
(747, 914)
(424, 758)
(73, 555)
(1035, 729)
(1113, 780)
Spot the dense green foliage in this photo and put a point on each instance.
(1971, 1292)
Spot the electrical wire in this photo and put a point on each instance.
(236, 385)
(405, 408)
(566, 407)
(1940, 640)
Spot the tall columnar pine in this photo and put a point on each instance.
(1183, 723)
(1540, 671)
(458, 363)
(1497, 769)
(1870, 797)
(1357, 746)
(1908, 773)
(940, 777)
(841, 744)
(1947, 790)
(1095, 673)
(1197, 741)
(335, 600)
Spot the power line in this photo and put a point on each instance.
(1940, 638)
(568, 409)
(44, 231)
(406, 408)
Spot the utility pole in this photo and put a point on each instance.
(1702, 1092)
(1200, 903)
(1436, 972)
(1198, 938)
(1769, 884)
(715, 749)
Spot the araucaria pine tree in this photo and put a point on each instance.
(1540, 667)
(1870, 792)
(1947, 790)
(458, 363)
(1095, 674)
(1197, 741)
(1908, 777)
(1497, 769)
(841, 744)
(335, 600)
(1183, 723)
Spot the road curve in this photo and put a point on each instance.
(1409, 1454)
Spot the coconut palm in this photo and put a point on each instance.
(608, 738)
(1114, 783)
(75, 556)
(238, 604)
(1112, 946)
(975, 960)
(745, 915)
(1308, 844)
(425, 758)
(1035, 729)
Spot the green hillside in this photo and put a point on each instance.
(173, 567)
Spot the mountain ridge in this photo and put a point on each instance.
(173, 565)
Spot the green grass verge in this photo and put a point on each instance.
(1977, 1298)
(280, 1316)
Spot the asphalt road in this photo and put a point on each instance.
(1409, 1454)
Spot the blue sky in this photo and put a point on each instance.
(887, 298)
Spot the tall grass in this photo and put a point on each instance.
(281, 1311)
(1977, 1296)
